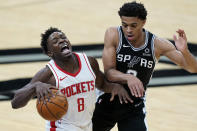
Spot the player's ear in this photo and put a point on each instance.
(49, 53)
(144, 22)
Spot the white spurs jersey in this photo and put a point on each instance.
(79, 89)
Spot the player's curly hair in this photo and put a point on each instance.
(45, 36)
(133, 9)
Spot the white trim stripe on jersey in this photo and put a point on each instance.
(89, 67)
(144, 111)
(57, 80)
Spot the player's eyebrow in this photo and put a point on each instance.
(134, 23)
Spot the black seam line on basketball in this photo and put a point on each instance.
(56, 105)
(38, 102)
(50, 111)
(41, 107)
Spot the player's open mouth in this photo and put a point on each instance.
(130, 37)
(65, 50)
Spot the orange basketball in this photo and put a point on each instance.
(55, 108)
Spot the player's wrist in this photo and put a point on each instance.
(129, 77)
(185, 52)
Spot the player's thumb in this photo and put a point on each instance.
(174, 37)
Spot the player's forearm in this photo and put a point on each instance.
(103, 84)
(23, 95)
(107, 86)
(117, 76)
(191, 62)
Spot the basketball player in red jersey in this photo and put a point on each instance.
(75, 75)
(129, 57)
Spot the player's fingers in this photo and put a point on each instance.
(135, 90)
(120, 99)
(125, 99)
(38, 97)
(48, 95)
(181, 32)
(42, 98)
(128, 98)
(174, 37)
(138, 90)
(131, 90)
(112, 97)
(184, 35)
(141, 90)
(50, 90)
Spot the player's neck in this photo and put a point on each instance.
(70, 65)
(140, 40)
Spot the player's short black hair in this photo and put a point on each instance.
(133, 9)
(45, 36)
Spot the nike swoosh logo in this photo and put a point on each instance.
(61, 79)
(125, 45)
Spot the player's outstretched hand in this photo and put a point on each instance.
(122, 94)
(181, 40)
(43, 91)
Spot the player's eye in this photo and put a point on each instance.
(55, 40)
(134, 25)
(125, 26)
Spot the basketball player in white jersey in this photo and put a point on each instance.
(75, 75)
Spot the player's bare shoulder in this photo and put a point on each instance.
(44, 75)
(94, 64)
(111, 36)
(112, 30)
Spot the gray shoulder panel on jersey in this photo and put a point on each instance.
(120, 40)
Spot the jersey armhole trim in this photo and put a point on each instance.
(54, 74)
(153, 48)
(89, 67)
(120, 39)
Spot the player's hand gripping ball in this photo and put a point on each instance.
(55, 108)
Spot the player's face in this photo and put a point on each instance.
(132, 27)
(58, 44)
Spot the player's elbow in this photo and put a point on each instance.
(193, 70)
(14, 105)
(108, 76)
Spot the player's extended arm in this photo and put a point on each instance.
(35, 87)
(190, 63)
(109, 62)
(180, 56)
(106, 86)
